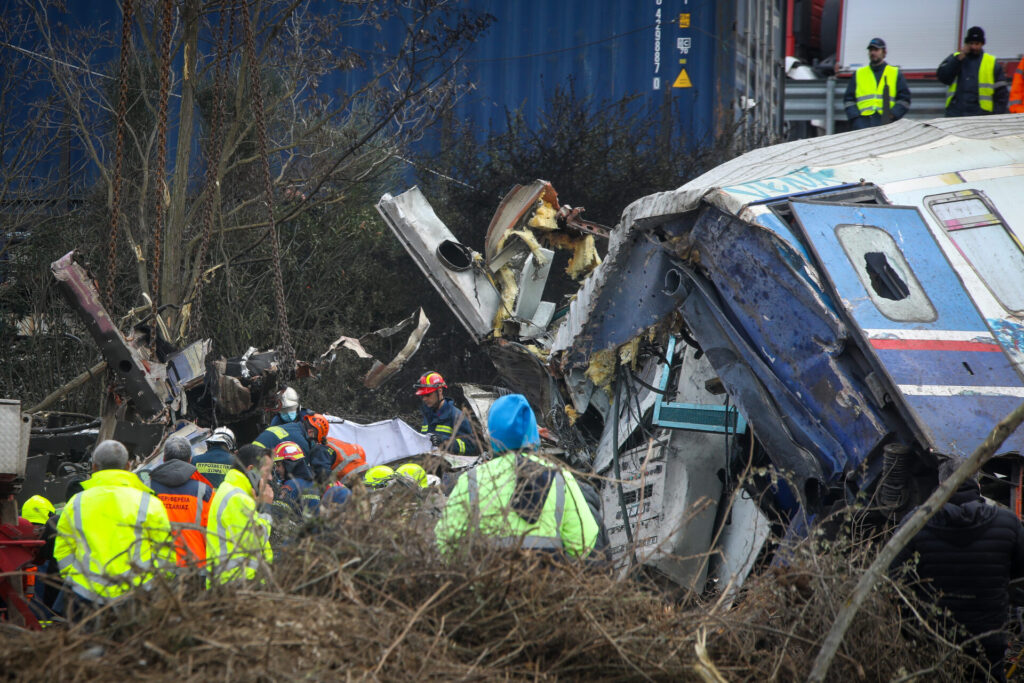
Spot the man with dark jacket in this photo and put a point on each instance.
(446, 425)
(977, 84)
(186, 495)
(966, 556)
(219, 456)
(878, 93)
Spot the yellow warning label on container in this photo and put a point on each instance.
(684, 20)
(682, 80)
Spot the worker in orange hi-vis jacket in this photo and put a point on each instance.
(1017, 89)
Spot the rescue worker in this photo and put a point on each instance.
(447, 426)
(216, 461)
(967, 554)
(41, 514)
(878, 93)
(186, 496)
(977, 85)
(414, 473)
(378, 476)
(1017, 89)
(288, 409)
(321, 456)
(238, 531)
(298, 493)
(517, 499)
(288, 431)
(115, 534)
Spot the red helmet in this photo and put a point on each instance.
(319, 423)
(288, 450)
(429, 383)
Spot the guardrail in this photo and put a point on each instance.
(823, 100)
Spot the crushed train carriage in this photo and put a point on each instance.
(833, 312)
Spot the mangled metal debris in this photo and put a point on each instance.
(771, 340)
(380, 372)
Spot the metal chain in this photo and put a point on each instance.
(160, 186)
(214, 150)
(287, 364)
(128, 12)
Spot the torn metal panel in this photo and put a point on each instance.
(187, 368)
(143, 381)
(791, 341)
(467, 291)
(744, 532)
(513, 212)
(671, 488)
(379, 372)
(532, 278)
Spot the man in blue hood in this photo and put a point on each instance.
(518, 499)
(967, 555)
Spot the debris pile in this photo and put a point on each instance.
(372, 600)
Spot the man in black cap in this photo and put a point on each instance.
(977, 84)
(878, 93)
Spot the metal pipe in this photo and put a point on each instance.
(830, 96)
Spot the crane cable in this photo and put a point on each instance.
(215, 147)
(287, 355)
(128, 12)
(160, 186)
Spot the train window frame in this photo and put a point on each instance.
(863, 244)
(998, 263)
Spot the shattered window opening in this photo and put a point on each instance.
(885, 274)
(985, 240)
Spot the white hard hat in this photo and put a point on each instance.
(222, 435)
(288, 398)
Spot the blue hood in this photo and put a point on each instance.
(512, 424)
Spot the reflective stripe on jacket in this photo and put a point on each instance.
(112, 536)
(986, 83)
(237, 536)
(482, 498)
(443, 421)
(870, 91)
(289, 431)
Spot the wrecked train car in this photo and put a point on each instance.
(807, 325)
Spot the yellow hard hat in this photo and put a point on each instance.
(37, 510)
(414, 472)
(378, 475)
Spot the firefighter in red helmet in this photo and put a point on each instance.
(447, 426)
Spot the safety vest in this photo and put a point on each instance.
(349, 458)
(482, 501)
(1017, 90)
(870, 92)
(188, 515)
(112, 536)
(986, 83)
(237, 536)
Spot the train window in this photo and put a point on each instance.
(983, 237)
(885, 273)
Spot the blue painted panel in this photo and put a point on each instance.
(940, 367)
(779, 352)
(954, 308)
(961, 368)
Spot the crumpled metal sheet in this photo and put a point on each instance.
(144, 380)
(379, 372)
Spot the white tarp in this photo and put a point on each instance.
(384, 441)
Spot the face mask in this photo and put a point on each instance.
(288, 416)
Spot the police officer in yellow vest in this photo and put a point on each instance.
(878, 93)
(115, 534)
(977, 84)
